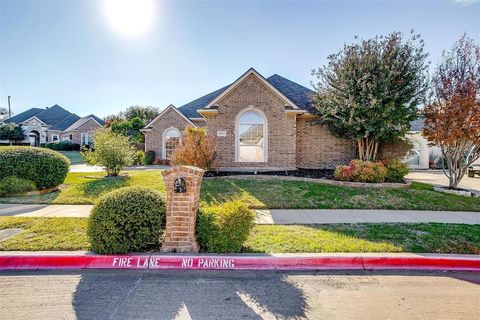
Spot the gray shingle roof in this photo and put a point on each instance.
(65, 123)
(53, 115)
(81, 121)
(189, 110)
(24, 115)
(297, 93)
(56, 117)
(417, 124)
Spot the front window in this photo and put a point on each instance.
(83, 139)
(171, 141)
(55, 137)
(251, 131)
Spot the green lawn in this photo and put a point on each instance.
(86, 188)
(74, 156)
(70, 234)
(275, 194)
(44, 234)
(386, 237)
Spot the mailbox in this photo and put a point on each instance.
(179, 185)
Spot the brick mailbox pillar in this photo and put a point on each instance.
(182, 185)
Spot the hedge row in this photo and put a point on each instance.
(46, 168)
(61, 146)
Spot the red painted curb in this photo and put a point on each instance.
(204, 262)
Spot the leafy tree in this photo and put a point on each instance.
(112, 151)
(130, 128)
(11, 132)
(145, 113)
(121, 127)
(370, 90)
(3, 114)
(452, 119)
(196, 149)
(110, 119)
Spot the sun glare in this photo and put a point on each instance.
(129, 17)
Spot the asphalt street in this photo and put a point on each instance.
(130, 294)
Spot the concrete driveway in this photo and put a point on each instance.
(438, 178)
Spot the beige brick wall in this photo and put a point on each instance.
(87, 127)
(317, 148)
(51, 133)
(281, 129)
(154, 138)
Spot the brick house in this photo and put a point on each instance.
(56, 124)
(258, 124)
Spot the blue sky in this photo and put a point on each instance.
(67, 53)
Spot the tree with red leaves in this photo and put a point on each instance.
(452, 119)
(196, 149)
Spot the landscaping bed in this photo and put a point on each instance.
(304, 173)
(44, 234)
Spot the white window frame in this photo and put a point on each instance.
(82, 141)
(57, 136)
(164, 145)
(237, 134)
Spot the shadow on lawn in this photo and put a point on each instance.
(98, 185)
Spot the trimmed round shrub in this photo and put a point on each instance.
(129, 219)
(362, 171)
(46, 168)
(14, 185)
(224, 228)
(396, 171)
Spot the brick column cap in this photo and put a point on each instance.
(184, 169)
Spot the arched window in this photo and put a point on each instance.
(251, 137)
(171, 139)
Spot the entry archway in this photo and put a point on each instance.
(34, 138)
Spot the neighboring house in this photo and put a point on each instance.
(420, 156)
(258, 123)
(56, 124)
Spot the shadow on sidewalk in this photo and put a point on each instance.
(187, 295)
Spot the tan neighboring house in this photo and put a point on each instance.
(56, 124)
(258, 124)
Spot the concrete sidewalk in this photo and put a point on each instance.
(43, 210)
(275, 216)
(81, 167)
(323, 216)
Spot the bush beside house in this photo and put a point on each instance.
(372, 172)
(46, 168)
(61, 146)
(149, 158)
(112, 151)
(129, 219)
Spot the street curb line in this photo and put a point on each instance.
(224, 262)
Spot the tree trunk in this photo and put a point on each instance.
(367, 149)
